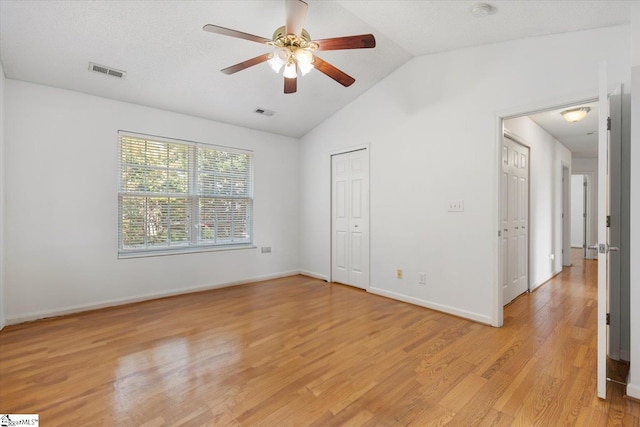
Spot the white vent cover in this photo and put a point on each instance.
(103, 69)
(264, 111)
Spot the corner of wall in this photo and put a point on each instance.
(2, 197)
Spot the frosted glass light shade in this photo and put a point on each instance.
(304, 68)
(575, 114)
(275, 64)
(290, 71)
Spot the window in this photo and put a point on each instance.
(178, 196)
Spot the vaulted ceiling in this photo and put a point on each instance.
(172, 64)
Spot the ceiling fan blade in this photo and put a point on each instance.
(246, 64)
(331, 71)
(290, 85)
(362, 41)
(296, 12)
(233, 33)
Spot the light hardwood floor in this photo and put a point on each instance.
(298, 351)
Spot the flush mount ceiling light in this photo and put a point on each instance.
(575, 114)
(480, 10)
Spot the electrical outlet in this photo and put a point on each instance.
(552, 257)
(399, 274)
(422, 278)
(265, 249)
(455, 206)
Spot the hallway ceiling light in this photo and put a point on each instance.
(575, 114)
(480, 10)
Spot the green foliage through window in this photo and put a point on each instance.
(176, 195)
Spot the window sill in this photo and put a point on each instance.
(182, 251)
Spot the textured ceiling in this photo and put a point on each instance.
(173, 65)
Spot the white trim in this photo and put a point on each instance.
(601, 342)
(497, 313)
(542, 282)
(469, 315)
(550, 105)
(566, 219)
(497, 318)
(181, 250)
(633, 391)
(171, 140)
(349, 149)
(12, 320)
(314, 275)
(515, 138)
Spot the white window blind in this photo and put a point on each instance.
(179, 196)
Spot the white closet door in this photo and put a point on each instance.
(350, 218)
(515, 220)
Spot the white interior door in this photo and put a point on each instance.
(614, 154)
(608, 200)
(350, 218)
(566, 216)
(585, 208)
(515, 219)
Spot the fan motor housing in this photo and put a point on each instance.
(280, 36)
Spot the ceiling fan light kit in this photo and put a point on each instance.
(294, 50)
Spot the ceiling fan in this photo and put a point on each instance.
(293, 48)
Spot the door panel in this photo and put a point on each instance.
(356, 199)
(609, 182)
(603, 258)
(515, 218)
(350, 218)
(340, 220)
(341, 250)
(356, 252)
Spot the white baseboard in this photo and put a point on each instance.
(314, 275)
(542, 282)
(633, 391)
(12, 320)
(480, 318)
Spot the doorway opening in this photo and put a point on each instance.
(581, 217)
(552, 149)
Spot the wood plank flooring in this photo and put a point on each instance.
(298, 351)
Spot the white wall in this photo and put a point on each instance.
(2, 209)
(545, 198)
(589, 167)
(577, 211)
(432, 126)
(633, 387)
(62, 211)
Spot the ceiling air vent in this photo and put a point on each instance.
(103, 69)
(264, 112)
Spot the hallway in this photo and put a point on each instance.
(563, 313)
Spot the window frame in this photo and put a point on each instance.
(193, 197)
